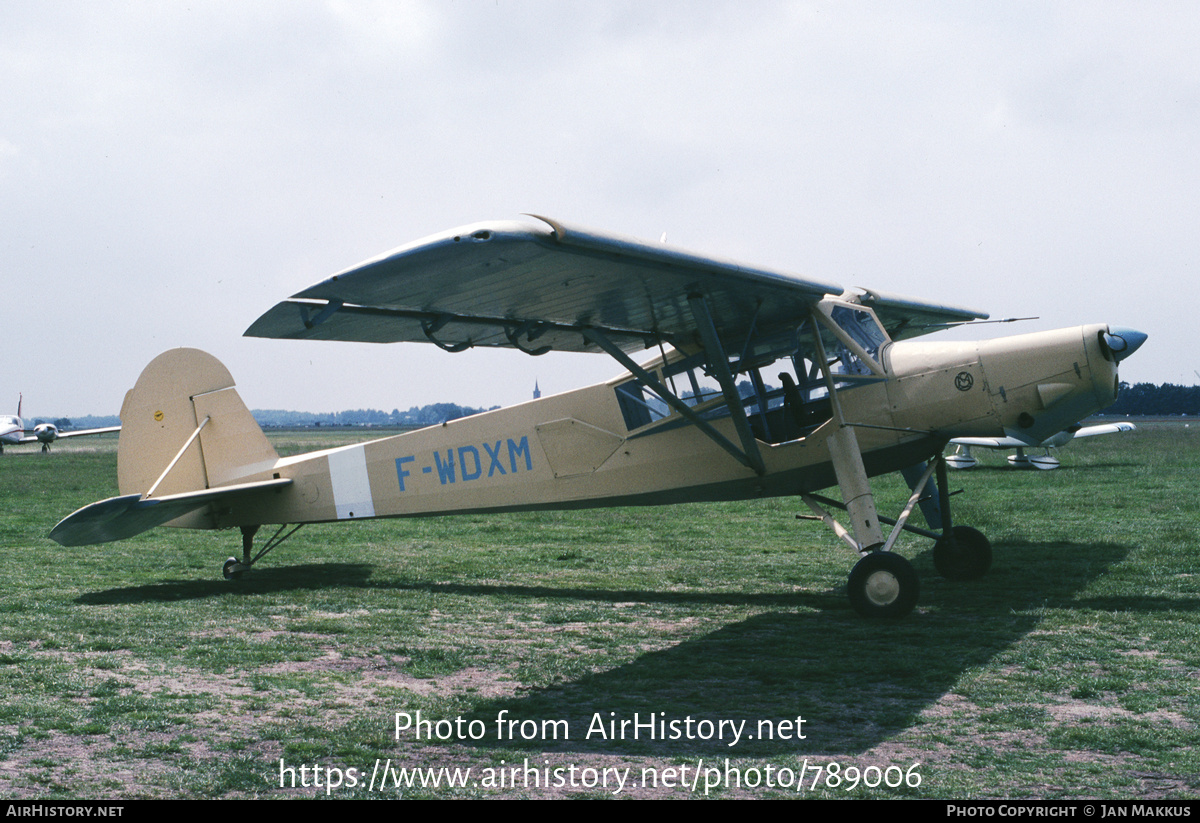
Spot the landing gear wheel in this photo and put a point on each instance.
(232, 569)
(883, 584)
(967, 556)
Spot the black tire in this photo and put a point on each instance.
(228, 569)
(966, 556)
(883, 585)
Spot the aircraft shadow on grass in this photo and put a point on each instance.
(856, 683)
(318, 576)
(304, 577)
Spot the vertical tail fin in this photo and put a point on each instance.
(180, 392)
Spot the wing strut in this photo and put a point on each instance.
(719, 362)
(598, 338)
(321, 316)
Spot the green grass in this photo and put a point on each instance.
(133, 669)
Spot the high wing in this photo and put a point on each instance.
(549, 286)
(963, 459)
(904, 317)
(991, 442)
(1060, 439)
(1105, 428)
(37, 435)
(83, 432)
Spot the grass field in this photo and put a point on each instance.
(1072, 670)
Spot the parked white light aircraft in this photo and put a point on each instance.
(857, 398)
(13, 431)
(963, 459)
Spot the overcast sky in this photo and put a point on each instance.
(169, 171)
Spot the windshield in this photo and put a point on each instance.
(861, 327)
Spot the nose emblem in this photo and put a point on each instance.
(963, 381)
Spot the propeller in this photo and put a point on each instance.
(1123, 342)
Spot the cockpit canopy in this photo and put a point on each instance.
(779, 379)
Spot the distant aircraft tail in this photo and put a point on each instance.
(184, 428)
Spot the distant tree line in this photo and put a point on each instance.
(1132, 400)
(87, 421)
(1156, 401)
(430, 415)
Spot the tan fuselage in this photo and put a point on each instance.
(573, 450)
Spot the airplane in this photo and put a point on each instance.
(858, 397)
(963, 459)
(12, 428)
(13, 431)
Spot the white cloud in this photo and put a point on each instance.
(193, 164)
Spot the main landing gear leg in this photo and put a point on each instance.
(961, 552)
(234, 568)
(882, 584)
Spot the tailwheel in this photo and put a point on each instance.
(232, 569)
(964, 554)
(883, 584)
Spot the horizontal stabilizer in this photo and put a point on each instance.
(120, 517)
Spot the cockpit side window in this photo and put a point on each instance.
(640, 406)
(690, 382)
(779, 378)
(781, 391)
